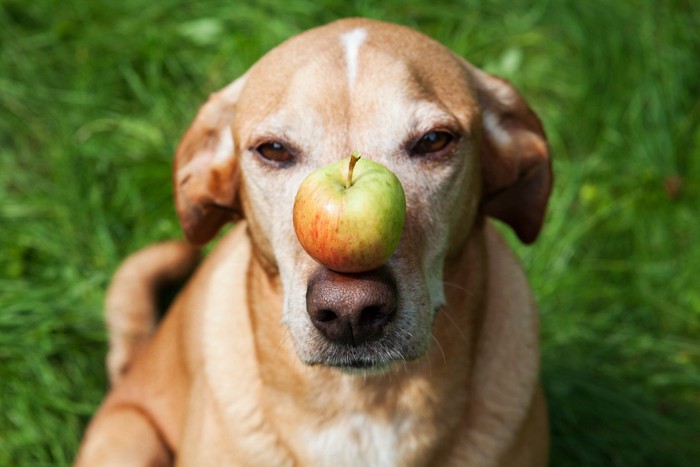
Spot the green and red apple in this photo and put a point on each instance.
(349, 215)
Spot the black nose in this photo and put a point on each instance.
(351, 308)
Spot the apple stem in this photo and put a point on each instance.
(354, 157)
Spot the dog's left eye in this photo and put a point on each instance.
(432, 143)
(274, 152)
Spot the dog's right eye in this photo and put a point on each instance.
(433, 143)
(274, 152)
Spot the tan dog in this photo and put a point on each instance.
(268, 359)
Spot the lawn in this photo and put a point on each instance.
(94, 96)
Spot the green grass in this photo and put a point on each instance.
(94, 96)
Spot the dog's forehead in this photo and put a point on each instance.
(350, 68)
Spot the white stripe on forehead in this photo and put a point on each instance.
(352, 41)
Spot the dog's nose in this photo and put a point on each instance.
(351, 308)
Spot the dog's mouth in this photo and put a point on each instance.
(359, 364)
(362, 365)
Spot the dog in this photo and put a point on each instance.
(266, 357)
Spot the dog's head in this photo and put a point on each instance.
(463, 143)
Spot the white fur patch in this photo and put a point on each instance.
(493, 127)
(352, 41)
(224, 147)
(357, 439)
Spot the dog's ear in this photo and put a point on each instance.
(205, 174)
(517, 174)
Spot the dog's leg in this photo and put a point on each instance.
(134, 304)
(121, 437)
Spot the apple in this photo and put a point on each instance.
(349, 215)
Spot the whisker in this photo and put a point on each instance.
(280, 344)
(458, 287)
(446, 311)
(439, 346)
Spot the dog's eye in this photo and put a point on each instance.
(275, 152)
(432, 143)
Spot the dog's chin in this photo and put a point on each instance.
(363, 367)
(370, 359)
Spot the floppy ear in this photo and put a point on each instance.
(517, 174)
(205, 174)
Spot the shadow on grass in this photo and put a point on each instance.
(605, 417)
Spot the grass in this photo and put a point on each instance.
(94, 96)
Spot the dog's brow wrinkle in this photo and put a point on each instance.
(352, 41)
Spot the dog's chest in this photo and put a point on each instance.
(361, 439)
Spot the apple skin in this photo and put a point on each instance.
(353, 228)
